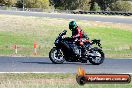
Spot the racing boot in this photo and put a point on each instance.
(84, 56)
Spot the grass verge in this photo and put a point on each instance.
(49, 81)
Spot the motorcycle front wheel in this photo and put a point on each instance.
(56, 56)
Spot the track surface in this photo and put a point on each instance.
(71, 16)
(43, 64)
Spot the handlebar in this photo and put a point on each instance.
(63, 33)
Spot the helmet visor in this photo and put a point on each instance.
(71, 27)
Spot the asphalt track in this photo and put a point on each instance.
(126, 20)
(43, 64)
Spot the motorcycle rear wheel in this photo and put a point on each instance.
(98, 58)
(56, 58)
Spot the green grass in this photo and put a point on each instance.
(114, 41)
(23, 31)
(111, 37)
(28, 76)
(49, 81)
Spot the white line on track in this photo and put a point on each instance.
(53, 73)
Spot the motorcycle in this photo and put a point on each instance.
(67, 49)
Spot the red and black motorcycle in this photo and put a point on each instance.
(66, 49)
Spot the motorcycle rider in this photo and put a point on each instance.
(78, 34)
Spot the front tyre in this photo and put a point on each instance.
(56, 56)
(97, 56)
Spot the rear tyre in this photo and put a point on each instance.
(97, 56)
(56, 56)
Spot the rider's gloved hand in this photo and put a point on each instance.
(64, 36)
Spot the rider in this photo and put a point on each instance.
(78, 34)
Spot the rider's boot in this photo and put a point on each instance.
(84, 56)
